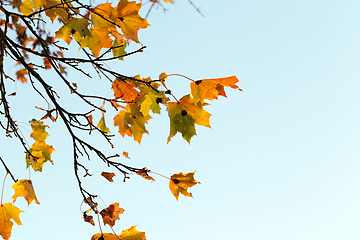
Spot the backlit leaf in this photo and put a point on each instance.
(179, 183)
(132, 234)
(127, 17)
(24, 188)
(8, 212)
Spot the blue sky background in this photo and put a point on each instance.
(281, 160)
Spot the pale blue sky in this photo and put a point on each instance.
(281, 160)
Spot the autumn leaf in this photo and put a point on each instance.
(24, 188)
(132, 122)
(89, 219)
(132, 234)
(60, 11)
(76, 27)
(8, 212)
(96, 40)
(20, 75)
(126, 154)
(108, 176)
(40, 152)
(119, 49)
(184, 114)
(105, 236)
(101, 15)
(111, 214)
(38, 130)
(125, 90)
(126, 15)
(179, 183)
(144, 173)
(211, 88)
(102, 125)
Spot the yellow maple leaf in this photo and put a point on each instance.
(126, 15)
(76, 27)
(40, 152)
(111, 214)
(8, 212)
(179, 183)
(24, 188)
(102, 126)
(98, 39)
(104, 236)
(132, 234)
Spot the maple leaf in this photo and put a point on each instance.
(111, 214)
(211, 88)
(38, 130)
(60, 11)
(184, 114)
(24, 188)
(108, 176)
(105, 236)
(40, 152)
(101, 15)
(151, 101)
(102, 125)
(132, 122)
(77, 27)
(21, 75)
(8, 212)
(132, 234)
(126, 15)
(179, 183)
(125, 90)
(144, 173)
(98, 39)
(119, 49)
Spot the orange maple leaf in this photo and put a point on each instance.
(129, 234)
(8, 212)
(126, 154)
(105, 236)
(179, 183)
(125, 90)
(111, 214)
(108, 176)
(211, 88)
(126, 15)
(132, 234)
(24, 188)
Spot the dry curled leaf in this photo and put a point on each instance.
(108, 176)
(144, 173)
(111, 214)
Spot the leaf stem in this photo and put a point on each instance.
(2, 191)
(159, 175)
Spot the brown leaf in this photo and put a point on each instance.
(111, 214)
(108, 176)
(144, 173)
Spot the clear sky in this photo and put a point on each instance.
(281, 160)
